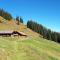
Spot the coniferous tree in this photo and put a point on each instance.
(58, 37)
(49, 34)
(45, 32)
(5, 14)
(54, 36)
(21, 20)
(17, 19)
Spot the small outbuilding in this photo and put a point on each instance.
(12, 33)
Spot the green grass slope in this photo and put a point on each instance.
(31, 48)
(28, 49)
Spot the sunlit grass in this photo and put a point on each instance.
(28, 49)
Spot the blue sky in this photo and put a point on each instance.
(45, 12)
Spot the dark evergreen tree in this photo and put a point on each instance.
(54, 36)
(21, 20)
(58, 37)
(17, 19)
(49, 34)
(45, 32)
(5, 14)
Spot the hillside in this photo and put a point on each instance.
(32, 48)
(28, 49)
(11, 25)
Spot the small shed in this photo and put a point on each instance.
(12, 33)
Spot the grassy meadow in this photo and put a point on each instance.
(28, 49)
(34, 47)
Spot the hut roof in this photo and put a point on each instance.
(22, 33)
(6, 32)
(12, 32)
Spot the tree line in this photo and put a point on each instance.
(46, 33)
(5, 14)
(8, 16)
